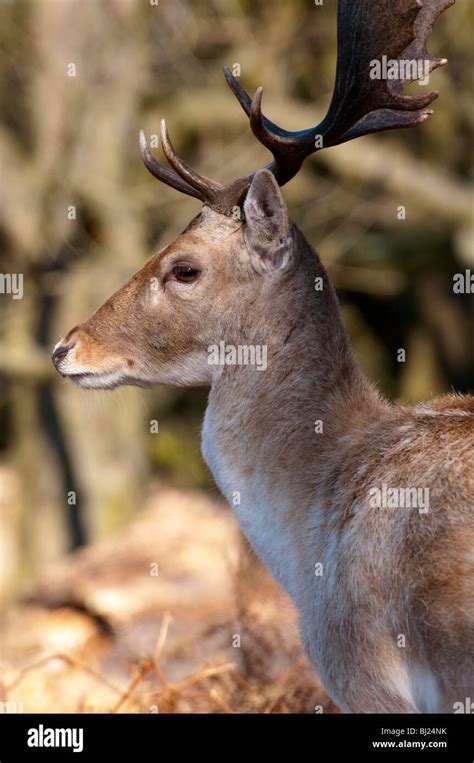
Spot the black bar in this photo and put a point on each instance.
(316, 737)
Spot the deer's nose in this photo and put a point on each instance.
(60, 353)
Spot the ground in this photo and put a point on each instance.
(172, 615)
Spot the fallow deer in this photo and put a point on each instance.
(384, 588)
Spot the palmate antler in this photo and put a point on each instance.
(368, 31)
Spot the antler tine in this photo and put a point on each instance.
(208, 188)
(164, 174)
(424, 22)
(281, 143)
(242, 96)
(254, 104)
(287, 148)
(385, 119)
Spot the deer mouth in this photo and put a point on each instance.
(96, 379)
(105, 379)
(70, 367)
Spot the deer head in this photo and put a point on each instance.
(210, 282)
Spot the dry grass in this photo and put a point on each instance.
(98, 634)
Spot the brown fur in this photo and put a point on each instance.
(388, 572)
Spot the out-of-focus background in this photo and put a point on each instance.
(124, 582)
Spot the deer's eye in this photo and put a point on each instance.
(184, 273)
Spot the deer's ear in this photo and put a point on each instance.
(266, 223)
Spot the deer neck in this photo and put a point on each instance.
(270, 435)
